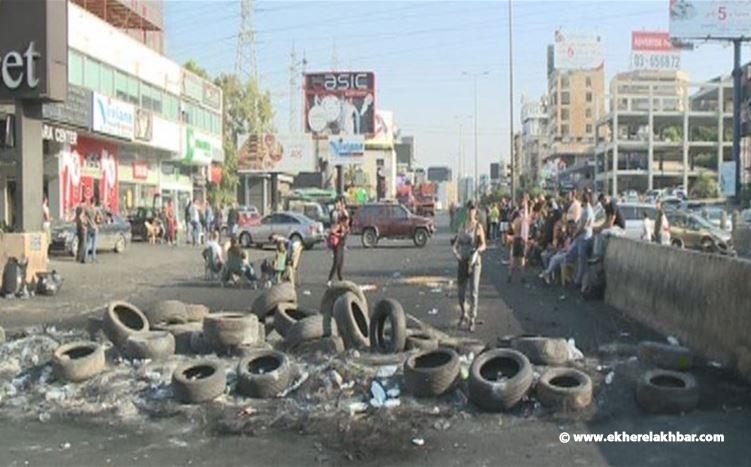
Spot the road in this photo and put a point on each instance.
(524, 436)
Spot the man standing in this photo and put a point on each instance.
(195, 222)
(586, 238)
(93, 218)
(233, 219)
(574, 208)
(495, 216)
(662, 226)
(81, 235)
(520, 229)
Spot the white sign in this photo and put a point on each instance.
(653, 51)
(717, 19)
(113, 117)
(577, 50)
(347, 150)
(59, 135)
(165, 135)
(727, 179)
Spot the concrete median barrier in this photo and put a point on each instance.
(701, 298)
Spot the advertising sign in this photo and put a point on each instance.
(199, 149)
(289, 154)
(87, 170)
(347, 150)
(653, 51)
(59, 135)
(577, 50)
(340, 103)
(33, 50)
(143, 125)
(76, 110)
(383, 136)
(165, 134)
(704, 19)
(113, 117)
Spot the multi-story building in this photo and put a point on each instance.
(137, 129)
(664, 130)
(534, 142)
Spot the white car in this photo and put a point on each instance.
(633, 214)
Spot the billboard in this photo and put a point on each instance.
(113, 117)
(577, 50)
(346, 150)
(704, 19)
(383, 136)
(340, 103)
(269, 152)
(653, 51)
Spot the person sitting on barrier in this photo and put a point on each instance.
(615, 224)
(213, 253)
(237, 264)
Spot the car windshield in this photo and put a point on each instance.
(703, 223)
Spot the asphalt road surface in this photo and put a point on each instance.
(420, 280)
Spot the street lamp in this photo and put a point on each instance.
(462, 165)
(476, 75)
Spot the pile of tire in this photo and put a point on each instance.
(181, 320)
(499, 379)
(265, 305)
(228, 333)
(666, 387)
(431, 373)
(352, 320)
(78, 361)
(388, 327)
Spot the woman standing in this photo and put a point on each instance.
(469, 244)
(338, 238)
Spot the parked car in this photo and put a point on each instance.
(746, 217)
(310, 209)
(688, 230)
(114, 234)
(292, 225)
(138, 221)
(389, 220)
(671, 203)
(717, 215)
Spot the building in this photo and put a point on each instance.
(534, 142)
(136, 130)
(664, 131)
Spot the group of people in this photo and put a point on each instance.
(200, 219)
(88, 219)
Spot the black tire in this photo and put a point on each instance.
(78, 361)
(263, 375)
(120, 244)
(677, 242)
(198, 344)
(296, 237)
(369, 238)
(225, 330)
(167, 312)
(198, 381)
(152, 345)
(325, 345)
(392, 312)
(335, 290)
(195, 313)
(121, 320)
(669, 357)
(288, 314)
(181, 333)
(542, 350)
(421, 237)
(352, 321)
(245, 240)
(565, 389)
(665, 391)
(310, 328)
(486, 388)
(431, 373)
(420, 341)
(266, 303)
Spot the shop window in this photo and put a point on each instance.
(91, 74)
(107, 80)
(75, 68)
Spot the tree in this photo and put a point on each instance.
(705, 186)
(194, 68)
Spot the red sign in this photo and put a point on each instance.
(340, 103)
(89, 171)
(216, 174)
(651, 42)
(140, 170)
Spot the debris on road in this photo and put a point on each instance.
(418, 441)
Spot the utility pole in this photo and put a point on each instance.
(293, 88)
(737, 72)
(477, 179)
(511, 96)
(245, 60)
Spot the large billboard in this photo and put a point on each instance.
(575, 50)
(340, 103)
(704, 19)
(383, 134)
(269, 152)
(653, 51)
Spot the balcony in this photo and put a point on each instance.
(127, 14)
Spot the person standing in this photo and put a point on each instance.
(338, 239)
(467, 248)
(170, 224)
(521, 235)
(209, 217)
(648, 228)
(81, 234)
(586, 238)
(93, 219)
(233, 219)
(495, 217)
(662, 226)
(46, 220)
(187, 221)
(574, 212)
(195, 222)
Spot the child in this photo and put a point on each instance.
(280, 259)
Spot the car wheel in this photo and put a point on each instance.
(295, 237)
(120, 244)
(245, 240)
(369, 238)
(73, 247)
(677, 243)
(421, 238)
(708, 245)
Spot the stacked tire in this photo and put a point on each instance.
(499, 379)
(352, 321)
(667, 387)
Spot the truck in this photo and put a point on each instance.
(418, 198)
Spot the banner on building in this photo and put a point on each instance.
(113, 117)
(383, 134)
(578, 50)
(704, 19)
(347, 150)
(340, 103)
(290, 154)
(200, 148)
(144, 125)
(89, 170)
(653, 51)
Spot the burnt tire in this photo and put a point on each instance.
(198, 344)
(352, 320)
(198, 381)
(667, 392)
(167, 312)
(542, 350)
(499, 379)
(151, 345)
(181, 333)
(337, 289)
(310, 328)
(325, 345)
(263, 375)
(420, 341)
(265, 303)
(388, 312)
(431, 373)
(121, 320)
(78, 361)
(227, 329)
(669, 357)
(195, 313)
(287, 314)
(565, 389)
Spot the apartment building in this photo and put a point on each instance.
(534, 142)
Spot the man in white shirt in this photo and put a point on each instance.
(213, 248)
(195, 222)
(574, 212)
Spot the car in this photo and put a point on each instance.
(138, 221)
(672, 203)
(312, 210)
(114, 234)
(688, 230)
(716, 215)
(745, 218)
(291, 225)
(375, 221)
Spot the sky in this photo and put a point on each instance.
(424, 55)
